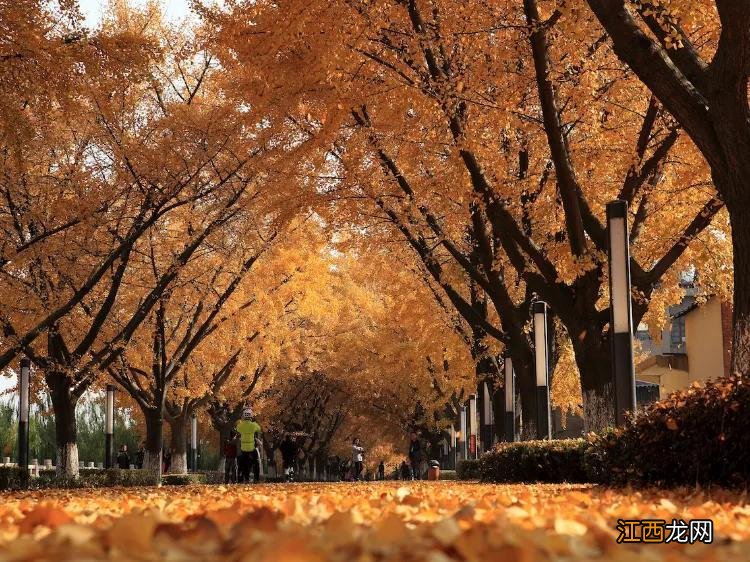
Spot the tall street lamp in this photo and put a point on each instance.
(541, 364)
(510, 400)
(463, 432)
(623, 373)
(487, 428)
(109, 427)
(473, 448)
(23, 418)
(194, 441)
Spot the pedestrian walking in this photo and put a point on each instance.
(288, 455)
(166, 460)
(230, 457)
(123, 459)
(381, 471)
(249, 457)
(415, 455)
(358, 457)
(140, 455)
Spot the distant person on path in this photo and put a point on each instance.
(140, 455)
(230, 457)
(358, 457)
(123, 459)
(415, 455)
(405, 472)
(381, 471)
(249, 457)
(288, 455)
(166, 456)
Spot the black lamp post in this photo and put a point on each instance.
(23, 418)
(621, 325)
(510, 400)
(541, 364)
(194, 442)
(109, 427)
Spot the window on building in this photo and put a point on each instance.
(677, 335)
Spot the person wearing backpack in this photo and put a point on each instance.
(249, 457)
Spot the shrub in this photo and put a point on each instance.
(183, 479)
(448, 475)
(134, 477)
(535, 461)
(467, 469)
(96, 478)
(697, 436)
(11, 478)
(211, 476)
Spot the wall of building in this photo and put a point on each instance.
(667, 377)
(705, 341)
(726, 329)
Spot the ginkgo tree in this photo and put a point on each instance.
(174, 165)
(70, 290)
(344, 220)
(224, 318)
(693, 57)
(372, 349)
(493, 118)
(53, 180)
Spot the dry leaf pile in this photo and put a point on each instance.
(424, 521)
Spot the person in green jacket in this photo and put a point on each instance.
(249, 457)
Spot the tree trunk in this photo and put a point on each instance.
(527, 393)
(594, 361)
(523, 365)
(498, 407)
(486, 371)
(178, 445)
(64, 408)
(152, 459)
(740, 221)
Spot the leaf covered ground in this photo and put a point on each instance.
(427, 521)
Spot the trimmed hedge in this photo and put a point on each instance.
(11, 479)
(468, 469)
(697, 436)
(448, 475)
(535, 461)
(183, 479)
(97, 478)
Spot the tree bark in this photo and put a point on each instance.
(154, 442)
(178, 445)
(740, 221)
(64, 407)
(593, 357)
(523, 365)
(486, 371)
